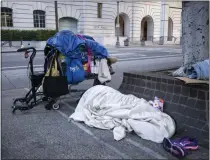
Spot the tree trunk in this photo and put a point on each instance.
(195, 34)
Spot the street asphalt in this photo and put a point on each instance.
(44, 134)
(16, 59)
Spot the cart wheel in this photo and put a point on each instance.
(56, 106)
(48, 106)
(45, 99)
(97, 82)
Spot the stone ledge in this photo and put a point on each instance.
(188, 105)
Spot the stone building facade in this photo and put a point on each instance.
(152, 21)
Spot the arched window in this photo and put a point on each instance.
(39, 18)
(6, 17)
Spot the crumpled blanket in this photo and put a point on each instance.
(106, 108)
(199, 70)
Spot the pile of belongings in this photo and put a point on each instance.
(75, 51)
(198, 71)
(69, 44)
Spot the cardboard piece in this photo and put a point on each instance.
(192, 81)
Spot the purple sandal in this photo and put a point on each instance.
(175, 150)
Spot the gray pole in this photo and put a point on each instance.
(162, 22)
(118, 25)
(56, 15)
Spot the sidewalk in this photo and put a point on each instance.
(14, 49)
(47, 134)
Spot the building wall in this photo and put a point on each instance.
(142, 9)
(23, 14)
(103, 29)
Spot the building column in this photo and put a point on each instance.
(164, 22)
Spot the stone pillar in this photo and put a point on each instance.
(195, 31)
(164, 22)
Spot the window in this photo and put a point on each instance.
(39, 19)
(99, 10)
(6, 17)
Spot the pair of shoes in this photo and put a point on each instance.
(173, 149)
(186, 143)
(179, 147)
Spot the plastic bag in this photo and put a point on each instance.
(75, 71)
(157, 103)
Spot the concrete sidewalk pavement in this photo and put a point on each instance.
(44, 134)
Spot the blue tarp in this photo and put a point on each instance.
(199, 70)
(88, 37)
(97, 49)
(67, 43)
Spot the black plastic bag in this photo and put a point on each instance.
(54, 84)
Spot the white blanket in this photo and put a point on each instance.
(106, 108)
